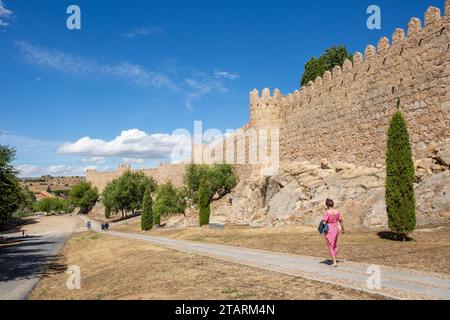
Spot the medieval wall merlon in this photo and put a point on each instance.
(265, 108)
(412, 65)
(372, 60)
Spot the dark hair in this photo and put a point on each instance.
(330, 203)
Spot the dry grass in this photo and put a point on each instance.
(428, 251)
(115, 268)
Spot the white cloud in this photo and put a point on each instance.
(70, 64)
(190, 83)
(130, 144)
(5, 15)
(144, 31)
(201, 85)
(29, 170)
(133, 160)
(94, 160)
(225, 74)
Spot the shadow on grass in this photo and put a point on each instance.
(388, 235)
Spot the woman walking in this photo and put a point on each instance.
(333, 218)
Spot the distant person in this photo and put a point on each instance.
(333, 218)
(105, 226)
(88, 225)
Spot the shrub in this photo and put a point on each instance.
(147, 212)
(400, 172)
(204, 203)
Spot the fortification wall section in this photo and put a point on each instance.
(162, 174)
(345, 115)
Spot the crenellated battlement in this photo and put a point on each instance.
(265, 108)
(374, 59)
(344, 115)
(413, 67)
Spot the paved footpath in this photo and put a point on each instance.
(396, 283)
(24, 261)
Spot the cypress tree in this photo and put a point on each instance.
(147, 212)
(400, 172)
(204, 198)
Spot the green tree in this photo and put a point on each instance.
(83, 196)
(316, 67)
(125, 194)
(10, 190)
(221, 179)
(169, 200)
(192, 178)
(109, 199)
(147, 212)
(204, 202)
(156, 219)
(400, 172)
(50, 205)
(108, 212)
(27, 199)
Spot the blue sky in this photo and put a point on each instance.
(116, 90)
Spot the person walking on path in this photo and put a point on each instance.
(333, 218)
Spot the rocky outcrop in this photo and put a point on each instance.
(297, 193)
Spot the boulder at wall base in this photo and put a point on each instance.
(297, 194)
(285, 202)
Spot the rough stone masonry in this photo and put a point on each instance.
(339, 123)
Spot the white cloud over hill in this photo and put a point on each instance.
(130, 144)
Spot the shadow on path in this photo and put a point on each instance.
(28, 257)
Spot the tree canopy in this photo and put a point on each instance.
(169, 200)
(83, 196)
(220, 178)
(125, 194)
(10, 190)
(316, 67)
(53, 204)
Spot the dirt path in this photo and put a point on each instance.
(396, 283)
(24, 259)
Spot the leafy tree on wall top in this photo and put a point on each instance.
(316, 67)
